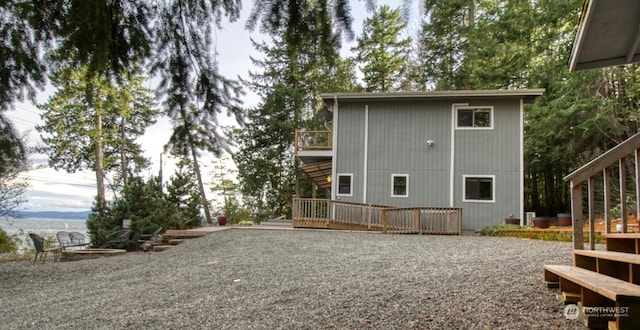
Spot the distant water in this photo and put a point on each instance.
(21, 227)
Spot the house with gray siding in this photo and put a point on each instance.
(437, 149)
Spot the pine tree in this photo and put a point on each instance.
(382, 53)
(90, 124)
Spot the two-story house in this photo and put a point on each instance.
(442, 149)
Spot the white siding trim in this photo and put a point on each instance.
(365, 169)
(521, 215)
(452, 166)
(334, 150)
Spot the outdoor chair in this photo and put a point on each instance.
(38, 243)
(119, 239)
(77, 239)
(149, 239)
(63, 239)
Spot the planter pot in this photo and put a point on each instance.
(222, 220)
(564, 219)
(541, 222)
(511, 221)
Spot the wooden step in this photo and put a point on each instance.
(183, 234)
(175, 241)
(621, 265)
(160, 247)
(598, 290)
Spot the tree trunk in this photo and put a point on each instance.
(205, 203)
(123, 153)
(99, 164)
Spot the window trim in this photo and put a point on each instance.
(350, 175)
(479, 176)
(478, 107)
(406, 176)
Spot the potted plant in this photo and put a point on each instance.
(511, 220)
(222, 220)
(541, 222)
(564, 219)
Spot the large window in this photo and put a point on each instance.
(399, 185)
(479, 188)
(474, 117)
(345, 184)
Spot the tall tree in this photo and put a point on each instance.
(12, 163)
(84, 122)
(445, 47)
(381, 51)
(289, 82)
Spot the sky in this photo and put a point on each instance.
(52, 190)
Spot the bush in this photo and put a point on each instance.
(497, 229)
(6, 243)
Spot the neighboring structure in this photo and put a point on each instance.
(436, 149)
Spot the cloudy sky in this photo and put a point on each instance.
(52, 190)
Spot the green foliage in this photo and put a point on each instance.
(6, 242)
(497, 229)
(382, 55)
(147, 207)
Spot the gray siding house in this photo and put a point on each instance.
(438, 149)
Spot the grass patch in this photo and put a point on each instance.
(546, 234)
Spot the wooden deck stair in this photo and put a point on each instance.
(600, 281)
(175, 236)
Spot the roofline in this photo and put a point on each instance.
(528, 95)
(585, 17)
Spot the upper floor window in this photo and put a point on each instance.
(399, 185)
(474, 117)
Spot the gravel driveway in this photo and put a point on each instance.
(289, 279)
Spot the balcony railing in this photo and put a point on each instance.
(587, 174)
(323, 213)
(313, 140)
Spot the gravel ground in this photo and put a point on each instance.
(283, 279)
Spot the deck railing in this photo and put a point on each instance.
(586, 174)
(313, 140)
(323, 213)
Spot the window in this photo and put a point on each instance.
(478, 188)
(399, 185)
(345, 182)
(474, 117)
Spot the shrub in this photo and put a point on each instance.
(6, 243)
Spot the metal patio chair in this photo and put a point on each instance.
(38, 243)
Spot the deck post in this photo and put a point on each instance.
(637, 181)
(592, 225)
(416, 220)
(623, 194)
(576, 213)
(606, 174)
(383, 217)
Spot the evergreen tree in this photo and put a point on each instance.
(382, 54)
(88, 123)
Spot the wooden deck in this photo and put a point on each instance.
(328, 214)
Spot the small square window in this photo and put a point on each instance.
(344, 184)
(400, 185)
(474, 117)
(477, 188)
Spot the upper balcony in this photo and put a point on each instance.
(313, 146)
